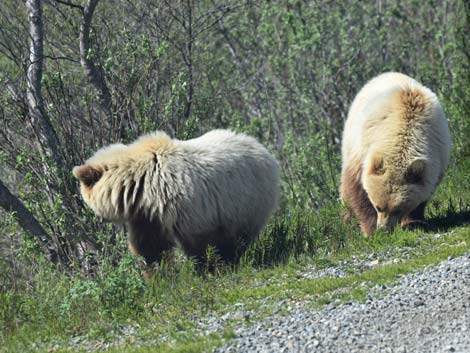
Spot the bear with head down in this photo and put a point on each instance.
(215, 190)
(395, 150)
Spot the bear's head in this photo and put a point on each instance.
(104, 186)
(113, 180)
(394, 189)
(94, 190)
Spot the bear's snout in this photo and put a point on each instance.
(386, 221)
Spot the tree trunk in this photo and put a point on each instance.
(46, 135)
(26, 220)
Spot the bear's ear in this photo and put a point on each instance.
(87, 174)
(377, 166)
(415, 172)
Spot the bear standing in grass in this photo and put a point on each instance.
(216, 190)
(396, 148)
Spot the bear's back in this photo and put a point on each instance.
(232, 176)
(225, 141)
(377, 116)
(372, 96)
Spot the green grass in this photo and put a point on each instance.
(173, 316)
(49, 310)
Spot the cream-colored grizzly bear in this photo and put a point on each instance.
(215, 190)
(396, 148)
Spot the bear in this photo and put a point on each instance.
(215, 190)
(395, 149)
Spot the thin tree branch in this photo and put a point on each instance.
(189, 64)
(10, 203)
(94, 74)
(61, 58)
(68, 3)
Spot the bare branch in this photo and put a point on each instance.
(189, 62)
(25, 219)
(94, 74)
(68, 3)
(61, 58)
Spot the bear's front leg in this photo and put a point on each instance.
(148, 239)
(356, 199)
(414, 218)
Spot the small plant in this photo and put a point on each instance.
(122, 286)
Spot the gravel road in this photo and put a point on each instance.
(427, 312)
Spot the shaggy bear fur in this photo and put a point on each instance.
(396, 148)
(215, 190)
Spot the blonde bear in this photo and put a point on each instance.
(215, 190)
(395, 150)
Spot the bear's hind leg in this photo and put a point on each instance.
(224, 244)
(414, 218)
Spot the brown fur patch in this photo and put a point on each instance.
(356, 199)
(120, 204)
(413, 101)
(130, 191)
(147, 238)
(377, 167)
(87, 174)
(140, 191)
(415, 172)
(415, 217)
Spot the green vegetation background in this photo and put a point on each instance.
(282, 71)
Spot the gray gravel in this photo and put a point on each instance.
(424, 312)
